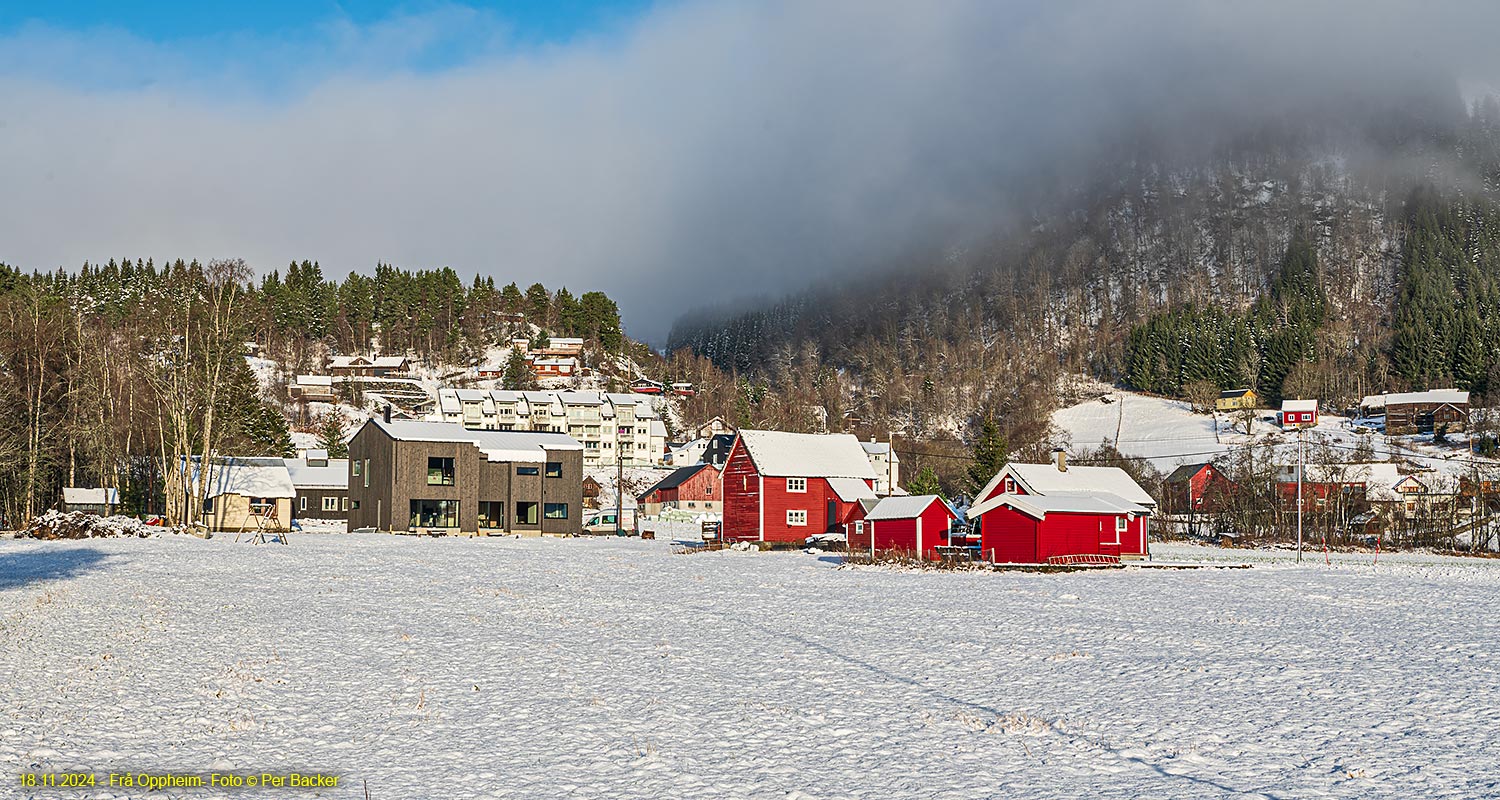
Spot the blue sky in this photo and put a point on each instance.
(166, 21)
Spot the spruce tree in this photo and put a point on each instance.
(991, 453)
(926, 482)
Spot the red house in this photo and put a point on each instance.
(911, 524)
(1040, 513)
(692, 488)
(1299, 413)
(1196, 489)
(785, 487)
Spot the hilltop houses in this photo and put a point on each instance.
(1299, 414)
(785, 487)
(1054, 513)
(369, 366)
(1236, 400)
(1408, 413)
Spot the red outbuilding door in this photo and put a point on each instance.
(833, 516)
(1109, 535)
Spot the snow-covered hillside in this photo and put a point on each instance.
(1168, 433)
(549, 668)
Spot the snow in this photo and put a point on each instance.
(332, 475)
(1165, 431)
(514, 446)
(249, 477)
(851, 489)
(906, 507)
(599, 667)
(781, 454)
(1453, 396)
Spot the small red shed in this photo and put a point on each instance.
(1036, 529)
(785, 487)
(916, 524)
(694, 488)
(1029, 513)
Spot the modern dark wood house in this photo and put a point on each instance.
(439, 477)
(322, 485)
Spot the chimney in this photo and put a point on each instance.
(387, 412)
(873, 440)
(1060, 458)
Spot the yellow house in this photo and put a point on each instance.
(1236, 399)
(247, 494)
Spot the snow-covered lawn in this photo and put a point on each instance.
(597, 667)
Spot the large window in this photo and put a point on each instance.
(434, 513)
(554, 469)
(556, 511)
(526, 513)
(527, 471)
(330, 504)
(796, 517)
(439, 471)
(491, 514)
(796, 484)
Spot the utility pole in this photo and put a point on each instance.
(1301, 464)
(619, 491)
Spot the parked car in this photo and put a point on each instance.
(603, 522)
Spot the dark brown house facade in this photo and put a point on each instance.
(419, 476)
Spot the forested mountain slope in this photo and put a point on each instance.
(1342, 261)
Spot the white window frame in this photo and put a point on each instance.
(796, 518)
(330, 503)
(796, 485)
(1122, 524)
(344, 503)
(302, 503)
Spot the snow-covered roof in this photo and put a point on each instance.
(472, 395)
(333, 475)
(389, 361)
(515, 446)
(658, 428)
(876, 448)
(250, 477)
(78, 496)
(1038, 506)
(1047, 479)
(807, 455)
(1453, 396)
(1299, 405)
(581, 398)
(905, 507)
(506, 396)
(850, 489)
(1231, 394)
(556, 362)
(314, 380)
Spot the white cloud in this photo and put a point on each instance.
(708, 150)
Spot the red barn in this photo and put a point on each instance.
(1196, 489)
(785, 487)
(1033, 513)
(693, 488)
(910, 524)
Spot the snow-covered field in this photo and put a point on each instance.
(598, 667)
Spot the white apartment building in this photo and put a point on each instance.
(613, 427)
(887, 467)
